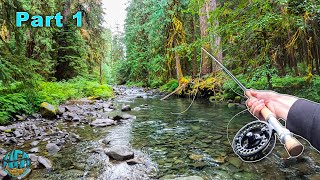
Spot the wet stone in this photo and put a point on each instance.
(235, 161)
(126, 108)
(120, 153)
(199, 165)
(3, 151)
(102, 122)
(34, 143)
(45, 162)
(52, 148)
(33, 157)
(34, 150)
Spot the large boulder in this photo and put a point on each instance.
(102, 122)
(120, 153)
(47, 110)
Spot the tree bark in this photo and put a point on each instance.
(206, 67)
(194, 58)
(216, 46)
(178, 64)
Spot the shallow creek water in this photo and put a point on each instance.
(193, 143)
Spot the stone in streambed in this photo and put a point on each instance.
(235, 161)
(3, 173)
(136, 109)
(45, 162)
(34, 150)
(134, 161)
(102, 122)
(52, 148)
(20, 118)
(196, 157)
(120, 153)
(17, 133)
(126, 108)
(199, 165)
(33, 157)
(3, 151)
(231, 105)
(47, 110)
(34, 143)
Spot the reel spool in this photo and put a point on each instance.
(254, 141)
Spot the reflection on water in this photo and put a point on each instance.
(195, 143)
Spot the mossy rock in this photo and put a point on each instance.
(231, 105)
(8, 130)
(47, 110)
(237, 99)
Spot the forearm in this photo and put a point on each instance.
(304, 120)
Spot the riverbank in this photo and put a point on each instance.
(89, 139)
(19, 100)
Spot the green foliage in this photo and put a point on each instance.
(51, 92)
(11, 104)
(170, 86)
(295, 86)
(58, 92)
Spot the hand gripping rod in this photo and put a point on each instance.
(292, 145)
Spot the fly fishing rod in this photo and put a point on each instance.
(256, 140)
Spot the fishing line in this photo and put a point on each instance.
(194, 97)
(230, 122)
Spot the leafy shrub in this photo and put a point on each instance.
(170, 86)
(28, 101)
(11, 104)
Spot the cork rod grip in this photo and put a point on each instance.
(292, 145)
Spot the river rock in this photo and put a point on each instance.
(33, 157)
(45, 162)
(20, 118)
(3, 128)
(102, 122)
(231, 105)
(8, 130)
(17, 133)
(47, 110)
(120, 153)
(74, 137)
(196, 157)
(199, 165)
(34, 143)
(52, 148)
(3, 174)
(3, 151)
(134, 161)
(10, 141)
(34, 150)
(126, 108)
(235, 161)
(136, 109)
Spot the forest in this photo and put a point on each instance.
(271, 44)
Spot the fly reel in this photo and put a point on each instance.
(254, 141)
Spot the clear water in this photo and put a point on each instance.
(196, 143)
(193, 143)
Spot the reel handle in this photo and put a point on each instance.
(292, 145)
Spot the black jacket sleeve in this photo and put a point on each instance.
(304, 120)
